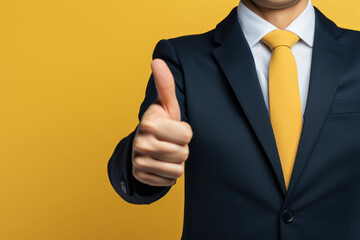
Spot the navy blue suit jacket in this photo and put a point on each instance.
(234, 186)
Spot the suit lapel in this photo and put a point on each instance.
(236, 61)
(328, 62)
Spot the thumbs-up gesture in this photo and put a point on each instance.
(160, 146)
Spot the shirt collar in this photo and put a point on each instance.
(255, 27)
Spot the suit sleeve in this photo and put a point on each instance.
(120, 164)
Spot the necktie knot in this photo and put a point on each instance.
(279, 38)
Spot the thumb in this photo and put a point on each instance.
(165, 86)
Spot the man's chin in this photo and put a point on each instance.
(275, 4)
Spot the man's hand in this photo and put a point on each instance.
(160, 146)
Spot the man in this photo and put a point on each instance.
(265, 110)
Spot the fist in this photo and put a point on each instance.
(160, 147)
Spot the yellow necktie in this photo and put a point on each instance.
(284, 98)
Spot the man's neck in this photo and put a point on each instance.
(280, 18)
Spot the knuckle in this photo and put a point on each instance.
(140, 163)
(140, 145)
(171, 182)
(188, 134)
(137, 142)
(142, 176)
(187, 137)
(136, 173)
(147, 125)
(167, 182)
(179, 171)
(136, 168)
(185, 153)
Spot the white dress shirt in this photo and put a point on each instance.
(255, 28)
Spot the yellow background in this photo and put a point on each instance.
(72, 77)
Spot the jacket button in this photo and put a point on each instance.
(288, 216)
